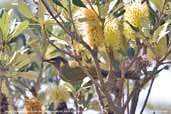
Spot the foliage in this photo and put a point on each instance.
(66, 49)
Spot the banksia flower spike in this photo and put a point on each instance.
(90, 26)
(134, 14)
(3, 104)
(58, 94)
(112, 34)
(33, 106)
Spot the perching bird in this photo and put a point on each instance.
(72, 73)
(75, 74)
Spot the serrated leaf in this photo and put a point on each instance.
(158, 3)
(119, 13)
(57, 2)
(8, 23)
(85, 81)
(13, 58)
(1, 12)
(136, 29)
(4, 88)
(30, 75)
(41, 13)
(78, 3)
(21, 60)
(112, 5)
(5, 22)
(50, 52)
(25, 10)
(164, 31)
(19, 29)
(88, 100)
(68, 85)
(160, 32)
(13, 24)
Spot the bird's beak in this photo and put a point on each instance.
(52, 62)
(47, 60)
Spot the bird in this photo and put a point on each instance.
(74, 73)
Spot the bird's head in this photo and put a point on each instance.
(56, 61)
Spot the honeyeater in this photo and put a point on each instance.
(73, 73)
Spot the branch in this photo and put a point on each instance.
(61, 50)
(112, 106)
(71, 16)
(54, 17)
(144, 81)
(71, 34)
(100, 97)
(167, 62)
(147, 97)
(135, 97)
(127, 95)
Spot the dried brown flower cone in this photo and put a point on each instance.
(33, 106)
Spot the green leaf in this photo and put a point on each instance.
(4, 88)
(5, 22)
(19, 60)
(68, 85)
(78, 3)
(19, 29)
(158, 3)
(1, 12)
(117, 14)
(30, 75)
(88, 100)
(86, 80)
(136, 29)
(160, 32)
(57, 2)
(41, 12)
(112, 6)
(25, 10)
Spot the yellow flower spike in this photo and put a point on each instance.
(134, 14)
(89, 26)
(112, 34)
(58, 93)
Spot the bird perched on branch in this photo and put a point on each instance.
(71, 71)
(74, 73)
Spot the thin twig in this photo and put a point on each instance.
(54, 17)
(128, 94)
(61, 50)
(71, 16)
(71, 34)
(147, 97)
(103, 85)
(100, 97)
